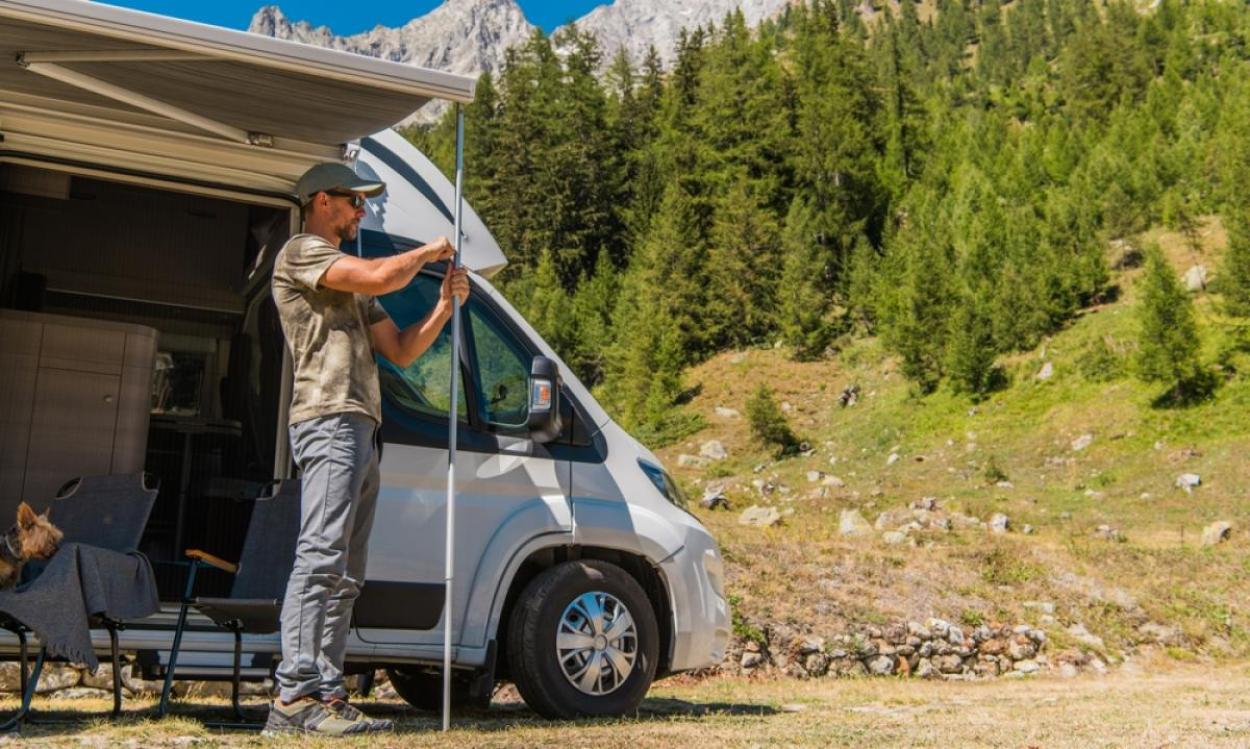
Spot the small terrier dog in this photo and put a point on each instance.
(31, 537)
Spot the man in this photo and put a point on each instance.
(333, 326)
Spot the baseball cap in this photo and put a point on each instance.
(331, 176)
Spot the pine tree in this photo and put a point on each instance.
(768, 424)
(806, 300)
(970, 345)
(743, 264)
(592, 307)
(915, 292)
(1168, 338)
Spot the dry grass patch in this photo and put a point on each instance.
(1169, 706)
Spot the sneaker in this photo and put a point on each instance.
(308, 715)
(348, 711)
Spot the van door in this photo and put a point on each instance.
(508, 490)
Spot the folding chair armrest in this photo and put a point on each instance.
(212, 561)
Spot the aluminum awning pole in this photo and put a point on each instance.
(450, 542)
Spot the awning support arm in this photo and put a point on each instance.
(126, 96)
(117, 55)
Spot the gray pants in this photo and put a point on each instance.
(339, 460)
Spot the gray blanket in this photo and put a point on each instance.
(80, 582)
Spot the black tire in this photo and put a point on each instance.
(422, 688)
(532, 654)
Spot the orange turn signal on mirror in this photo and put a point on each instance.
(540, 395)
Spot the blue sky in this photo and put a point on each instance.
(345, 16)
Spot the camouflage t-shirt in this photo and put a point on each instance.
(328, 332)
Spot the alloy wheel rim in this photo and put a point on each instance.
(597, 643)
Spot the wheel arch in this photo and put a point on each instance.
(645, 572)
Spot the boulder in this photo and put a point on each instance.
(727, 413)
(690, 461)
(948, 664)
(1188, 481)
(833, 481)
(1021, 649)
(892, 459)
(925, 669)
(851, 523)
(893, 519)
(1217, 533)
(1196, 278)
(713, 450)
(880, 665)
(814, 476)
(714, 498)
(999, 523)
(894, 538)
(816, 664)
(960, 521)
(1047, 371)
(760, 516)
(1082, 635)
(928, 504)
(1082, 442)
(58, 676)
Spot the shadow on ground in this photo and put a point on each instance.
(64, 720)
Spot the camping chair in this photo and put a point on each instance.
(108, 512)
(260, 578)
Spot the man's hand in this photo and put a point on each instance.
(455, 283)
(404, 346)
(378, 276)
(438, 250)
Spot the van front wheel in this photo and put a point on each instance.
(583, 641)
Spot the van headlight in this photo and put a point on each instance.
(664, 483)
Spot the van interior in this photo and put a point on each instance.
(137, 334)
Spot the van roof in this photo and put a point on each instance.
(101, 63)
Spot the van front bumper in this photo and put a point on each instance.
(695, 577)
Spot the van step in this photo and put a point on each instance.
(206, 666)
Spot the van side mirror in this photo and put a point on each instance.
(544, 405)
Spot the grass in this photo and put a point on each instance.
(807, 575)
(1176, 705)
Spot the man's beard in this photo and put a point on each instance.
(348, 232)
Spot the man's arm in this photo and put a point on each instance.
(378, 276)
(403, 347)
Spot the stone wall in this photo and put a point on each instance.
(934, 649)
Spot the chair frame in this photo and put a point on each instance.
(200, 559)
(30, 677)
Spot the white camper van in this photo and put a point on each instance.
(146, 172)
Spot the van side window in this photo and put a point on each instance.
(424, 387)
(501, 367)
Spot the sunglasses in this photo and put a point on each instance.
(357, 200)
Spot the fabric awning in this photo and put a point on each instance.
(271, 87)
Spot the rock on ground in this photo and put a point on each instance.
(852, 523)
(1196, 278)
(1216, 533)
(760, 516)
(714, 450)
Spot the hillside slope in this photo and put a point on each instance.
(1064, 455)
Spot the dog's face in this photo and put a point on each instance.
(39, 538)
